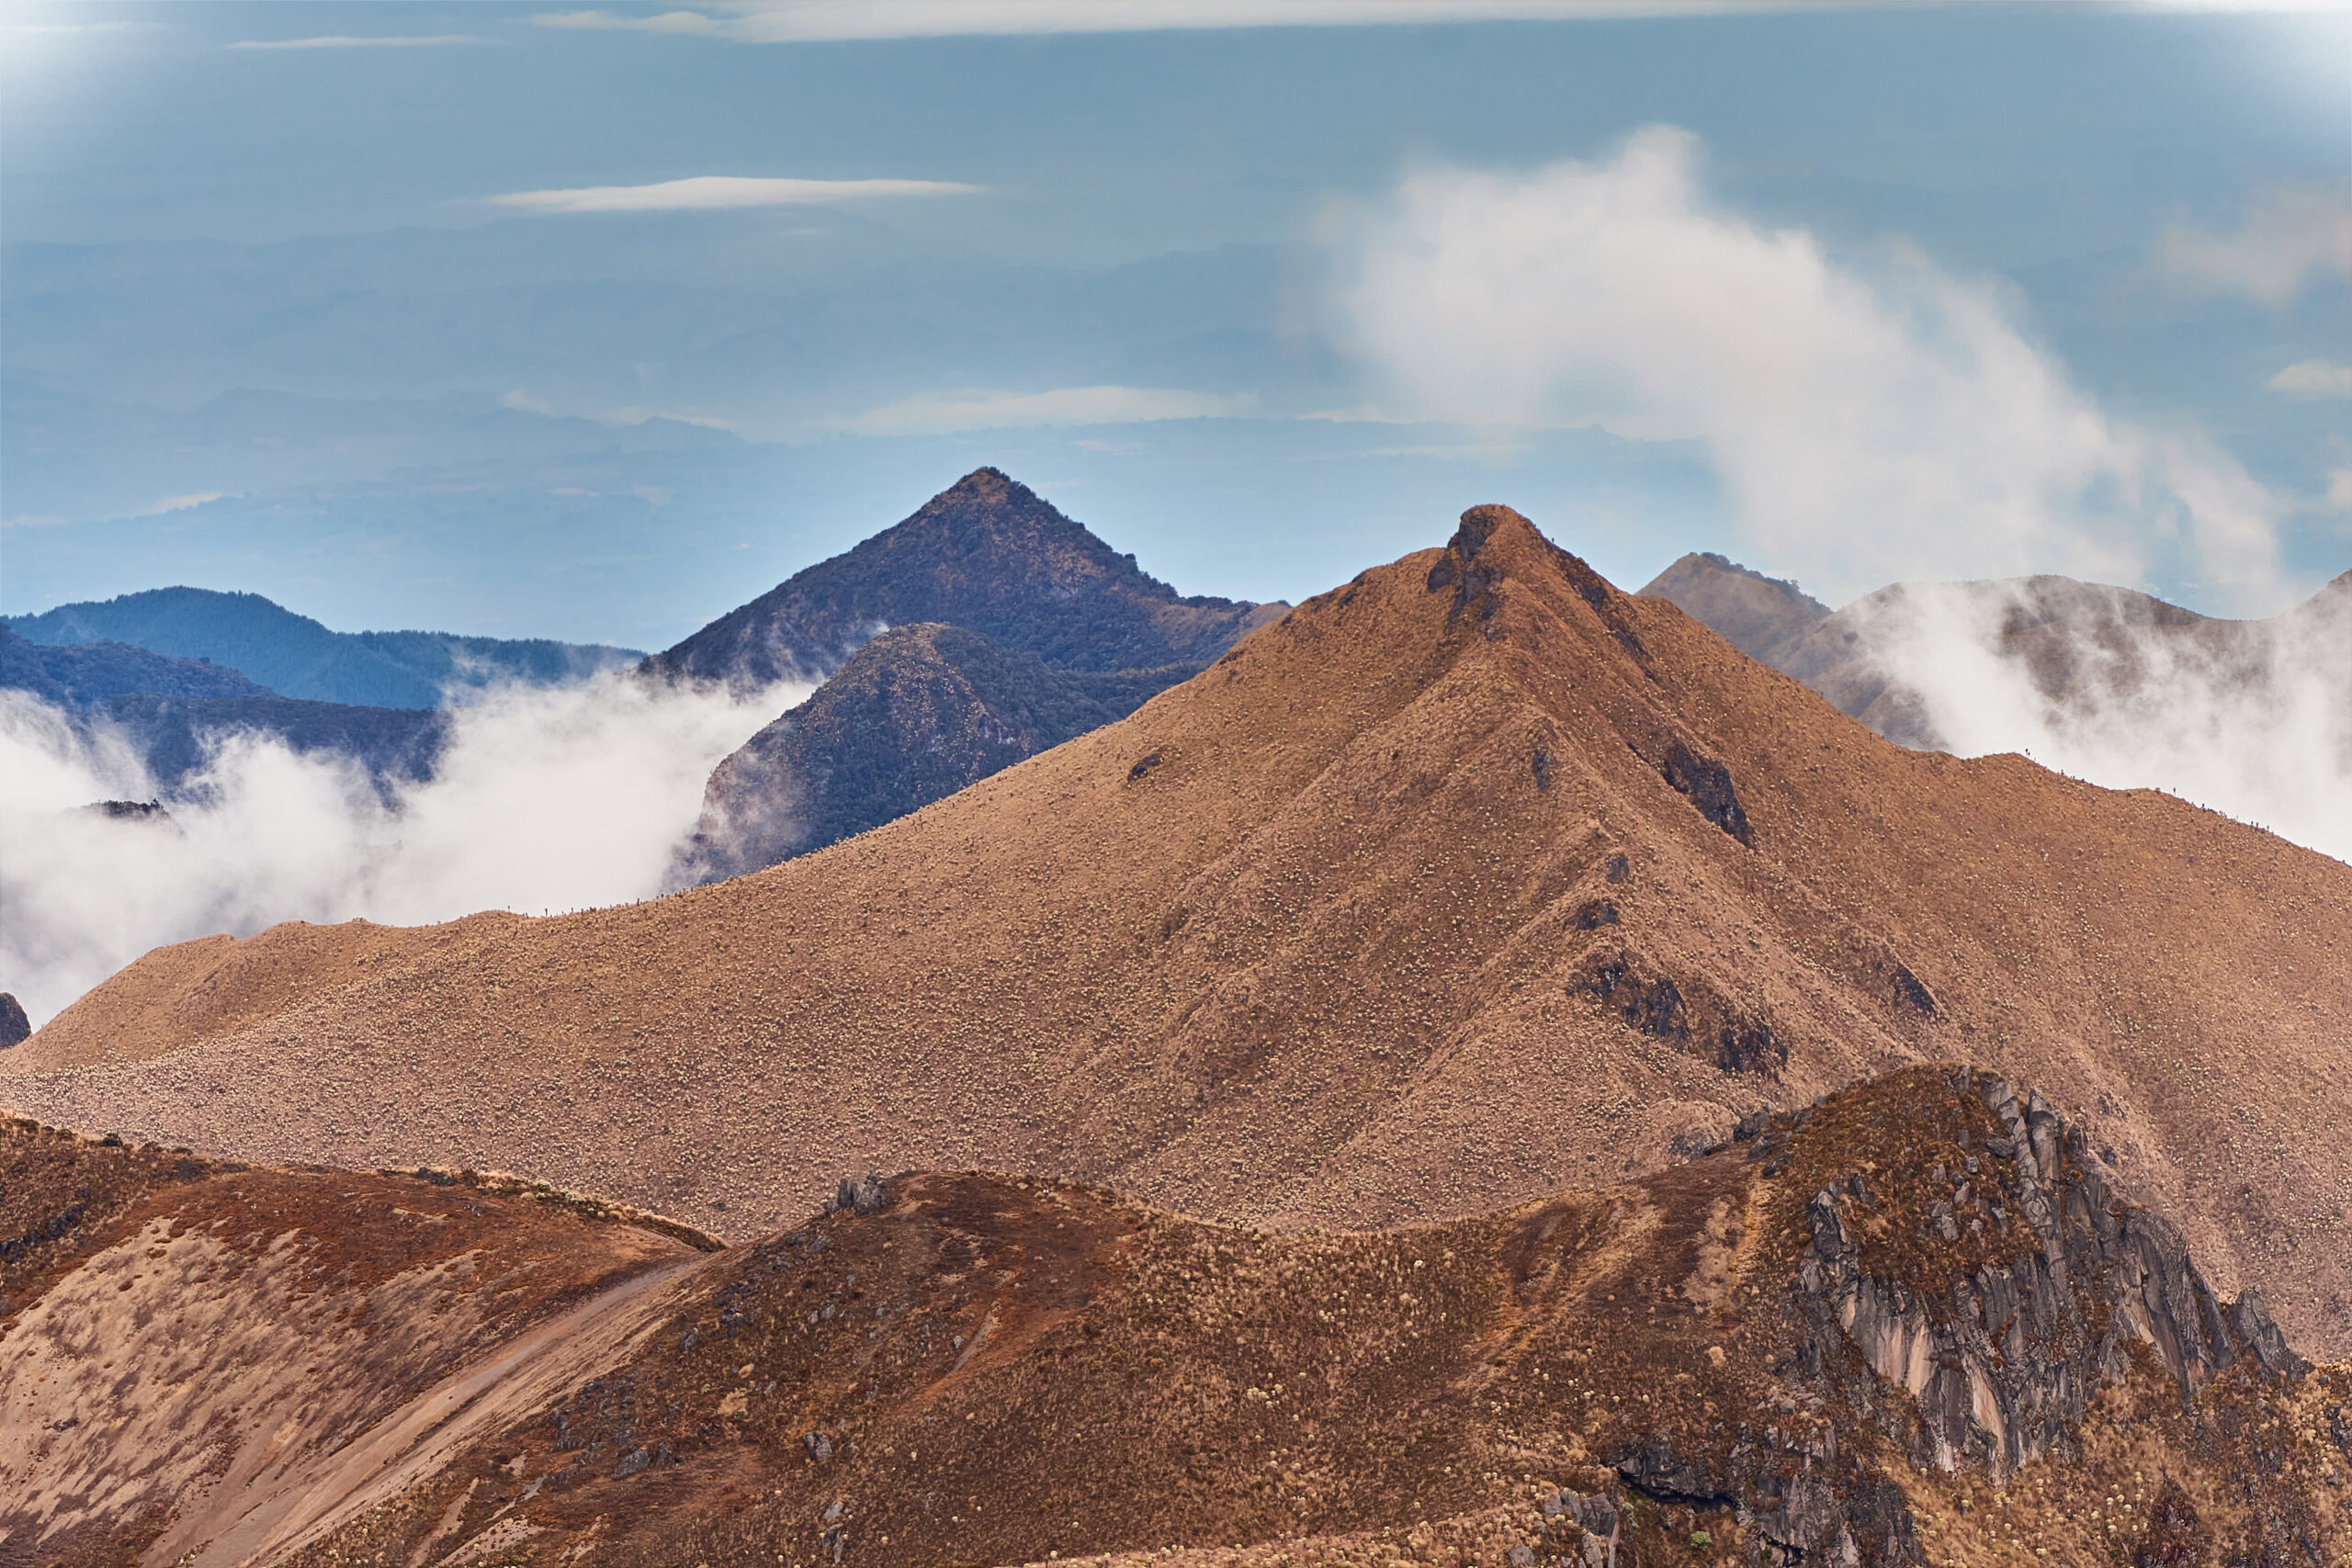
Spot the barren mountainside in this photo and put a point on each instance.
(988, 555)
(1470, 880)
(1911, 1324)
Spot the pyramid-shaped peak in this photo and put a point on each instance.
(987, 554)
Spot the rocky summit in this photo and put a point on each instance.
(988, 555)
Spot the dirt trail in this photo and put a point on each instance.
(420, 1438)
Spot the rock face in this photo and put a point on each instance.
(2002, 1366)
(986, 554)
(916, 715)
(14, 1027)
(2086, 651)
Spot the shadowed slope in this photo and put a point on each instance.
(1470, 878)
(985, 554)
(918, 713)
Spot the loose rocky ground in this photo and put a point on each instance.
(971, 1368)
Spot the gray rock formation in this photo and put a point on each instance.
(2001, 1370)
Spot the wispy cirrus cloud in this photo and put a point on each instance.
(427, 40)
(935, 413)
(705, 193)
(2314, 378)
(2288, 235)
(817, 21)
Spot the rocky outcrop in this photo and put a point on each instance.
(14, 1027)
(1999, 1368)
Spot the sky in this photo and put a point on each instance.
(593, 323)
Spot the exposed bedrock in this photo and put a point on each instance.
(2001, 1367)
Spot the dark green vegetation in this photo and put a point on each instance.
(988, 555)
(296, 657)
(919, 713)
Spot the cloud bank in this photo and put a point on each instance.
(710, 192)
(1868, 426)
(2251, 719)
(544, 799)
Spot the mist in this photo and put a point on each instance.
(2252, 719)
(543, 800)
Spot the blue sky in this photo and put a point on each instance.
(1852, 294)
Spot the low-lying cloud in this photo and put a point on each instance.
(707, 193)
(543, 799)
(1870, 420)
(2251, 719)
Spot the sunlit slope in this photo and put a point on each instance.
(1392, 912)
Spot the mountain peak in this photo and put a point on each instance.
(988, 554)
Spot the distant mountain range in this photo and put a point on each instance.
(294, 656)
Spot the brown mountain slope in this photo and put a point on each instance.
(202, 1359)
(1910, 1325)
(1470, 878)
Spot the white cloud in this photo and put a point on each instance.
(1866, 427)
(2253, 719)
(435, 40)
(2314, 378)
(178, 503)
(2289, 234)
(708, 192)
(815, 21)
(932, 414)
(543, 799)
